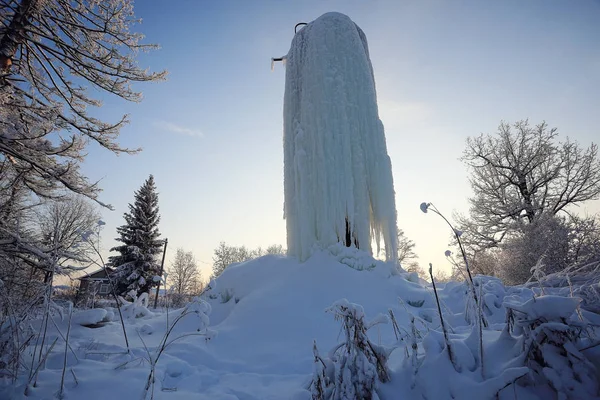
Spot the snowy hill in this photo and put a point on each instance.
(267, 312)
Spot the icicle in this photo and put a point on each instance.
(337, 173)
(282, 59)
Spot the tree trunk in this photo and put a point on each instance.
(15, 34)
(530, 213)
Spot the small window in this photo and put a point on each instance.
(104, 288)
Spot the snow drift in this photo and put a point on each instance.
(337, 173)
(252, 336)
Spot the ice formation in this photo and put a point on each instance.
(337, 174)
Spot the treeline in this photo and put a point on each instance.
(46, 125)
(225, 255)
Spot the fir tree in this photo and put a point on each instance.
(137, 262)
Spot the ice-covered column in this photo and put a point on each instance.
(337, 173)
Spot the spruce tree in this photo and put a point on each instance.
(137, 262)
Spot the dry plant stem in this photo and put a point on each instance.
(114, 293)
(150, 381)
(394, 324)
(450, 355)
(578, 309)
(423, 323)
(47, 299)
(74, 377)
(113, 289)
(480, 328)
(382, 372)
(62, 378)
(45, 330)
(463, 252)
(590, 346)
(39, 365)
(448, 311)
(152, 376)
(164, 343)
(63, 336)
(37, 341)
(513, 382)
(14, 327)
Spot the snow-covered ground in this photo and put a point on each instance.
(267, 312)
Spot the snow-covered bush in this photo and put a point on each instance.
(200, 310)
(358, 364)
(579, 280)
(226, 295)
(137, 308)
(549, 338)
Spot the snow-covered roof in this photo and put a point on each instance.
(101, 270)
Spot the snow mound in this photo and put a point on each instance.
(262, 339)
(89, 317)
(548, 307)
(283, 302)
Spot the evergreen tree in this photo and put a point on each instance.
(137, 262)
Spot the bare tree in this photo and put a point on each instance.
(521, 173)
(196, 285)
(276, 249)
(406, 249)
(65, 224)
(49, 51)
(525, 182)
(225, 255)
(183, 273)
(584, 239)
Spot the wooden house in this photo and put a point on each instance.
(96, 283)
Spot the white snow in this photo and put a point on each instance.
(549, 307)
(261, 341)
(89, 317)
(336, 165)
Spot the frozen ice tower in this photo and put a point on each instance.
(337, 173)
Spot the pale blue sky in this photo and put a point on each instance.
(445, 70)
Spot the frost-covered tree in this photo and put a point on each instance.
(183, 273)
(21, 272)
(51, 51)
(406, 252)
(520, 174)
(38, 241)
(225, 255)
(545, 240)
(556, 242)
(276, 249)
(66, 223)
(137, 262)
(525, 181)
